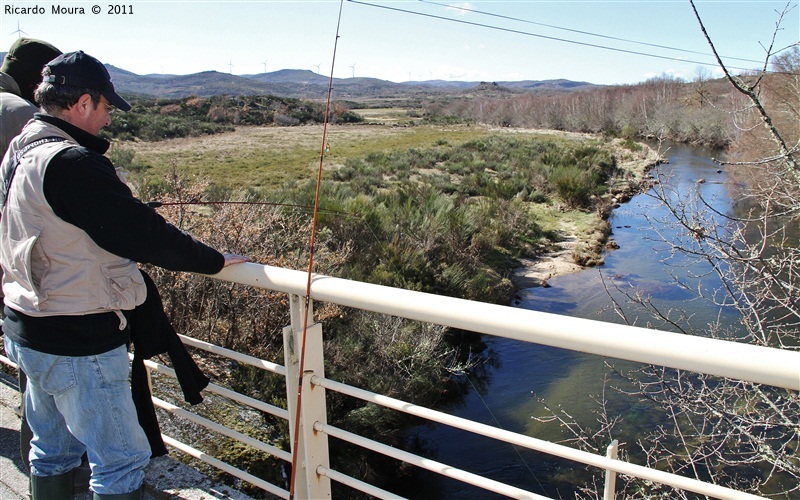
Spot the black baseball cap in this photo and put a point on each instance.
(79, 69)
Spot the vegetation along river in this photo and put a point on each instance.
(518, 375)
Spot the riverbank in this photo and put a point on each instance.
(581, 240)
(536, 272)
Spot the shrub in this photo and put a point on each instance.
(573, 185)
(158, 119)
(122, 157)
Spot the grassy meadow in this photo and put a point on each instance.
(265, 160)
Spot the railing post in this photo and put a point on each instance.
(611, 476)
(312, 446)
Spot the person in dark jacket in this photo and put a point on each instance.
(71, 234)
(20, 73)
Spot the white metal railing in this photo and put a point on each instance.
(728, 359)
(762, 365)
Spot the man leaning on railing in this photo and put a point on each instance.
(71, 234)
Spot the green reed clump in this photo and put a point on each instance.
(582, 174)
(494, 167)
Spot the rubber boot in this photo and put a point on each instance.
(80, 478)
(52, 487)
(133, 495)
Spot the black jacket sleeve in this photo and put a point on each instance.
(82, 187)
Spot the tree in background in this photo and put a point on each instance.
(739, 434)
(736, 434)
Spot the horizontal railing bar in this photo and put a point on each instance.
(238, 436)
(226, 393)
(780, 368)
(532, 443)
(219, 464)
(243, 358)
(7, 361)
(356, 484)
(248, 401)
(425, 463)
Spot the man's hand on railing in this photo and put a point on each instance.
(232, 258)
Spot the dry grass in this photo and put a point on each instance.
(265, 158)
(269, 157)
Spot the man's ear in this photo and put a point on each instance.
(85, 104)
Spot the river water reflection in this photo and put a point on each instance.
(508, 396)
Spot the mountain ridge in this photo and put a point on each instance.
(305, 84)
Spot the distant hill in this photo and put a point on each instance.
(560, 84)
(291, 76)
(305, 84)
(203, 84)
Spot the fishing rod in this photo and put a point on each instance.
(307, 303)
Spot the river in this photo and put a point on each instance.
(519, 374)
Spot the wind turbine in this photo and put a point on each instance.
(265, 65)
(230, 67)
(353, 67)
(318, 65)
(19, 31)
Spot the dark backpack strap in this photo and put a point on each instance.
(11, 169)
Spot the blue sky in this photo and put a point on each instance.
(600, 41)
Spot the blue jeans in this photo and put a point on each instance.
(77, 404)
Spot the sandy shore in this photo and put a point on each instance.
(560, 260)
(535, 272)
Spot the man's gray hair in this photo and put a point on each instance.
(56, 98)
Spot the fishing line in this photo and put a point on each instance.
(516, 449)
(306, 306)
(358, 217)
(157, 204)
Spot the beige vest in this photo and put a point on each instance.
(51, 267)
